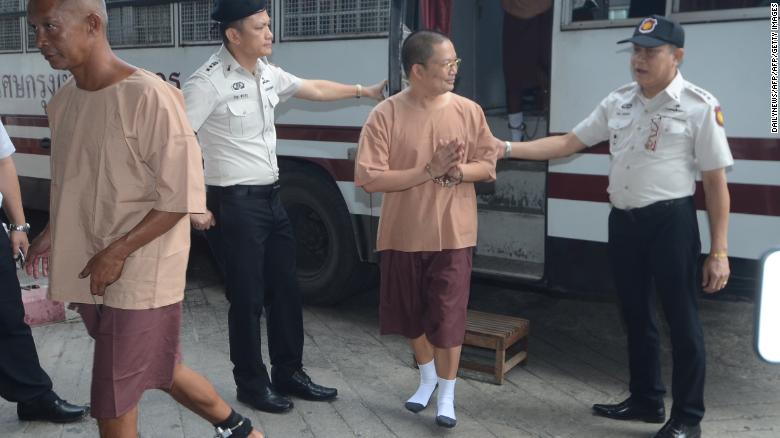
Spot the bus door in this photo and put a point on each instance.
(511, 235)
(512, 210)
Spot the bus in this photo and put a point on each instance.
(541, 224)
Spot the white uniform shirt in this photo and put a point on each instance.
(232, 110)
(6, 149)
(657, 145)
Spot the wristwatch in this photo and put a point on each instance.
(25, 227)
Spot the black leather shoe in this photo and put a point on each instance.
(631, 410)
(266, 400)
(675, 429)
(300, 385)
(53, 409)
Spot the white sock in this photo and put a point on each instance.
(427, 384)
(516, 126)
(445, 399)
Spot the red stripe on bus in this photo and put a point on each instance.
(29, 146)
(760, 149)
(745, 198)
(25, 120)
(339, 169)
(342, 134)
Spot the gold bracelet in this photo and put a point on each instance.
(719, 254)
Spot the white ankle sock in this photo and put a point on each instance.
(445, 399)
(515, 126)
(427, 384)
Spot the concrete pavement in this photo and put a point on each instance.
(576, 358)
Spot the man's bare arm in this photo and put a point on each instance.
(12, 203)
(548, 148)
(322, 90)
(106, 266)
(716, 269)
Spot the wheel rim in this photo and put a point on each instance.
(312, 240)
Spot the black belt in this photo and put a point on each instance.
(655, 207)
(246, 191)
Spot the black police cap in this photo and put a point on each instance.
(227, 11)
(655, 31)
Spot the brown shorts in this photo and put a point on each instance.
(135, 350)
(425, 292)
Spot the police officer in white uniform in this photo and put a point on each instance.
(22, 380)
(661, 130)
(230, 103)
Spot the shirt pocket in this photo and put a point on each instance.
(271, 98)
(673, 137)
(244, 118)
(619, 132)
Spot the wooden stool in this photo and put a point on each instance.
(494, 344)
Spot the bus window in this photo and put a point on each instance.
(139, 26)
(195, 23)
(590, 10)
(10, 26)
(713, 5)
(30, 39)
(308, 20)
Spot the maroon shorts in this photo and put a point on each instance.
(425, 292)
(135, 350)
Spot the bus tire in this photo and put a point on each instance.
(329, 267)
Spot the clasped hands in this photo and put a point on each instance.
(444, 167)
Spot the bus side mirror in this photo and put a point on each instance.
(767, 336)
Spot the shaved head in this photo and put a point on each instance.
(68, 31)
(71, 35)
(85, 7)
(75, 8)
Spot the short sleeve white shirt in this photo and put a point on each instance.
(6, 149)
(232, 110)
(657, 145)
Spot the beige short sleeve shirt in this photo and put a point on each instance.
(118, 153)
(399, 136)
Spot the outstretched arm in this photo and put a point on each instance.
(322, 90)
(548, 148)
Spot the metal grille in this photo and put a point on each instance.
(196, 23)
(31, 39)
(325, 19)
(139, 25)
(10, 27)
(10, 5)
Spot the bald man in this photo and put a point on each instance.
(126, 172)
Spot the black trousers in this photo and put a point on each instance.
(659, 245)
(254, 244)
(21, 377)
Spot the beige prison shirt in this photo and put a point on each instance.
(118, 153)
(400, 136)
